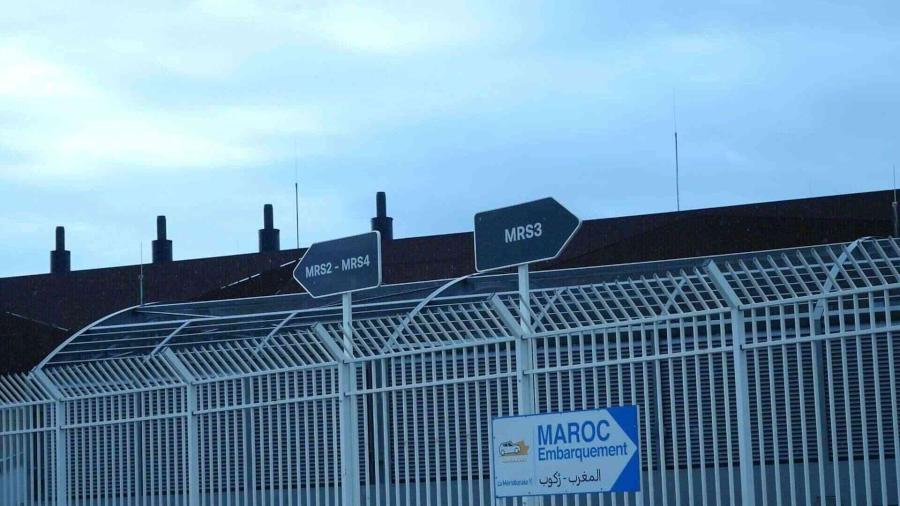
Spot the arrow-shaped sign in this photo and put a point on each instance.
(342, 265)
(566, 453)
(522, 234)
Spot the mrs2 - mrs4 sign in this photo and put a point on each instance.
(342, 265)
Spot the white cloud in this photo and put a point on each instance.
(362, 27)
(18, 223)
(26, 77)
(377, 27)
(67, 126)
(137, 141)
(77, 94)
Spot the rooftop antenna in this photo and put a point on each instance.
(296, 203)
(677, 182)
(894, 204)
(141, 276)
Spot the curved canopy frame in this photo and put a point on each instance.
(133, 349)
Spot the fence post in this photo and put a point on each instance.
(62, 447)
(742, 390)
(193, 428)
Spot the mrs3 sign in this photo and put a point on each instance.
(566, 453)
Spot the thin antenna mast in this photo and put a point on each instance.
(894, 205)
(677, 178)
(297, 206)
(141, 276)
(894, 170)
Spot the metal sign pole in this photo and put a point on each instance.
(347, 312)
(525, 357)
(342, 266)
(517, 236)
(349, 443)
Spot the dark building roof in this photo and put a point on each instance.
(75, 299)
(630, 239)
(26, 341)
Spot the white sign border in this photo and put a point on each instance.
(640, 462)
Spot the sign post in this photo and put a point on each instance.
(350, 493)
(517, 236)
(524, 348)
(566, 453)
(343, 266)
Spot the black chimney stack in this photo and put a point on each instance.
(162, 247)
(269, 236)
(382, 222)
(60, 258)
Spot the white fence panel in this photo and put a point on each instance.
(766, 379)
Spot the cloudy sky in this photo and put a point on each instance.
(112, 113)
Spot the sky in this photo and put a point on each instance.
(112, 113)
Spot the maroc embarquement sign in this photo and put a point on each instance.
(566, 453)
(521, 234)
(342, 265)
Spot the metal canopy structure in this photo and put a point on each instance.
(762, 378)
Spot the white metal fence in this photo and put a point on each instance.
(768, 378)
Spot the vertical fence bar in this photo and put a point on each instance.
(820, 382)
(193, 427)
(60, 441)
(742, 391)
(892, 386)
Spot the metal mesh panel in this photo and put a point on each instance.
(27, 457)
(269, 438)
(424, 419)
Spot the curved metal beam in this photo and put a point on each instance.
(74, 336)
(424, 302)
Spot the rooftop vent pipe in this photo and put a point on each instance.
(382, 222)
(162, 247)
(269, 236)
(60, 258)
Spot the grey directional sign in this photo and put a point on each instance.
(522, 234)
(342, 265)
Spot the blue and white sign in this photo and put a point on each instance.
(566, 453)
